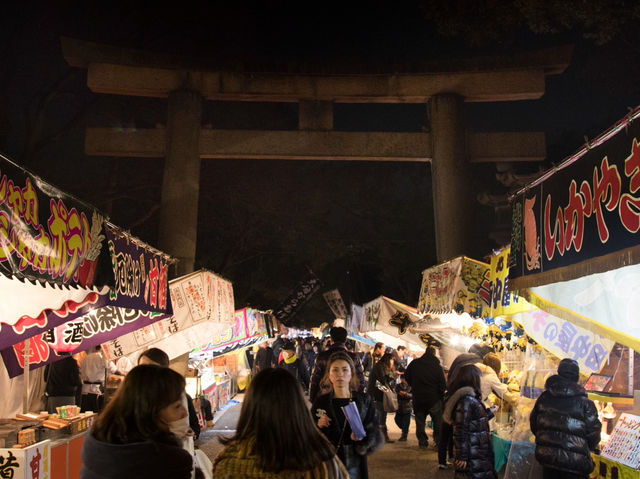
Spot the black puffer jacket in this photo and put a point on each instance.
(471, 435)
(426, 378)
(565, 423)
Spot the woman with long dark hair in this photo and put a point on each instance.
(341, 379)
(276, 436)
(464, 410)
(131, 437)
(382, 374)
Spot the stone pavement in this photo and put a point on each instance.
(395, 460)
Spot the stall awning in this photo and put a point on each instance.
(68, 278)
(604, 303)
(203, 307)
(399, 320)
(582, 217)
(138, 298)
(461, 285)
(250, 327)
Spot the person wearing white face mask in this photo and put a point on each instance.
(131, 437)
(183, 426)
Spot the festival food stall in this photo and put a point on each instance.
(530, 342)
(222, 363)
(62, 290)
(457, 292)
(574, 254)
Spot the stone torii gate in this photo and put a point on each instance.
(443, 89)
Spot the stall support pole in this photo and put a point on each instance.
(25, 376)
(630, 386)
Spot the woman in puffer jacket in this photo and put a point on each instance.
(565, 423)
(473, 450)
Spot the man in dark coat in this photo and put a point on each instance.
(264, 358)
(372, 357)
(426, 378)
(63, 382)
(565, 423)
(338, 336)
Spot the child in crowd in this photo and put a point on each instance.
(403, 414)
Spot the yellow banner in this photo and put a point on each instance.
(504, 302)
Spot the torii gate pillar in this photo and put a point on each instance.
(181, 179)
(450, 177)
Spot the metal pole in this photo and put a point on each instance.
(27, 356)
(630, 386)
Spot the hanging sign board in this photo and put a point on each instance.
(585, 217)
(503, 301)
(335, 303)
(140, 284)
(202, 307)
(140, 272)
(460, 285)
(297, 298)
(46, 234)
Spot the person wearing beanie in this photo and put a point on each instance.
(292, 363)
(566, 426)
(338, 338)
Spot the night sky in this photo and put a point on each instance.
(366, 228)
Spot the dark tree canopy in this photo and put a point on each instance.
(365, 228)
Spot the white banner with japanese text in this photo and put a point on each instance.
(564, 339)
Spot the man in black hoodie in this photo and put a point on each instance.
(426, 378)
(565, 423)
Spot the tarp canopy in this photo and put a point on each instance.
(582, 217)
(99, 325)
(203, 307)
(401, 321)
(18, 316)
(461, 285)
(604, 303)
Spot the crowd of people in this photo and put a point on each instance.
(144, 430)
(456, 401)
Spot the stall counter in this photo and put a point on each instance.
(48, 459)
